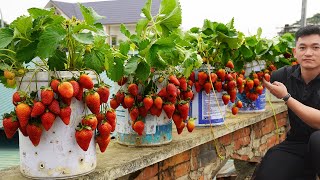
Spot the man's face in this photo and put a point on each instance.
(307, 51)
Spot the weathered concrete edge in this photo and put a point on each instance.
(181, 146)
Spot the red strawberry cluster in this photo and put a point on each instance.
(222, 80)
(37, 111)
(173, 99)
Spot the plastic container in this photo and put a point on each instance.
(205, 109)
(58, 156)
(249, 106)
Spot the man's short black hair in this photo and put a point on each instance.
(307, 30)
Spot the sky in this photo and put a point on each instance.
(249, 15)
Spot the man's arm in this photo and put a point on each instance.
(307, 114)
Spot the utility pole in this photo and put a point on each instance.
(303, 13)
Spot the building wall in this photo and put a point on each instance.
(114, 30)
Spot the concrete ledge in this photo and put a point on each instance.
(119, 160)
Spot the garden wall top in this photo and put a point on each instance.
(119, 160)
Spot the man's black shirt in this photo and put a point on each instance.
(307, 94)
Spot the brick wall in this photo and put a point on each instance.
(202, 162)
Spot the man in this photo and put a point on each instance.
(298, 157)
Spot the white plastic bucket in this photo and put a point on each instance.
(58, 155)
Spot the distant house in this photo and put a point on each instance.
(116, 12)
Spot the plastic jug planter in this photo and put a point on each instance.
(157, 130)
(58, 155)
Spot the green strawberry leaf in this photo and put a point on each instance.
(36, 12)
(89, 15)
(169, 14)
(115, 68)
(141, 26)
(23, 25)
(131, 65)
(27, 53)
(57, 61)
(6, 36)
(147, 9)
(125, 31)
(143, 71)
(85, 38)
(49, 41)
(124, 47)
(94, 60)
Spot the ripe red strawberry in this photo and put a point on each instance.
(80, 94)
(134, 113)
(192, 77)
(54, 85)
(76, 87)
(181, 127)
(213, 77)
(239, 81)
(155, 111)
(163, 92)
(34, 132)
(177, 119)
(90, 120)
(198, 86)
(233, 94)
(138, 127)
(231, 84)
(18, 96)
(103, 142)
(183, 83)
(190, 83)
(104, 129)
(10, 124)
(171, 90)
(169, 109)
(259, 89)
(221, 73)
(133, 89)
(111, 115)
(158, 102)
(104, 93)
(202, 77)
(54, 107)
(225, 98)
(173, 79)
(47, 95)
(23, 112)
(239, 104)
(101, 117)
(114, 104)
(85, 81)
(83, 136)
(47, 120)
(188, 95)
(234, 110)
(218, 86)
(113, 124)
(143, 111)
(120, 97)
(128, 101)
(65, 113)
(38, 109)
(148, 102)
(183, 108)
(23, 130)
(65, 90)
(249, 84)
(122, 81)
(207, 87)
(230, 64)
(267, 77)
(190, 124)
(92, 99)
(256, 81)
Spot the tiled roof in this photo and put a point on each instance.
(115, 12)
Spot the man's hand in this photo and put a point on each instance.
(276, 88)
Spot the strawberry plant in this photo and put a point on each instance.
(153, 65)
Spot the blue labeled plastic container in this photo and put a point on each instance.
(157, 130)
(258, 105)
